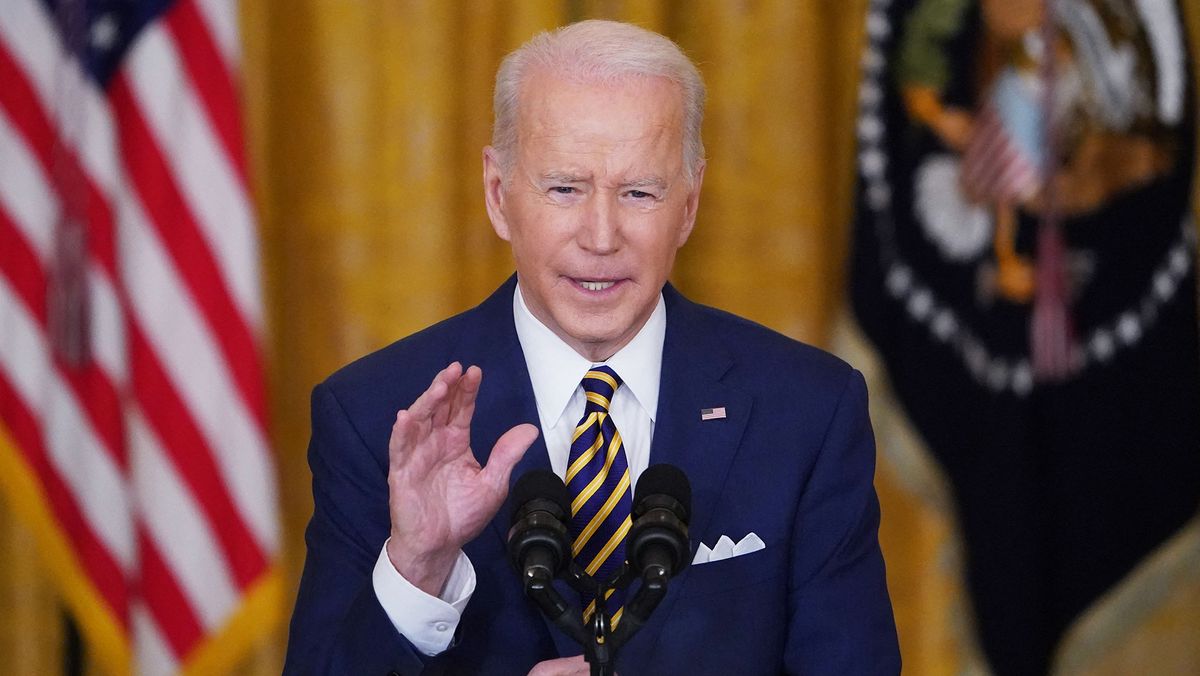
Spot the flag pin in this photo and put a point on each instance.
(712, 413)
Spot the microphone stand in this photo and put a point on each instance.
(598, 639)
(599, 652)
(539, 586)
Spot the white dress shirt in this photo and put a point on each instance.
(556, 371)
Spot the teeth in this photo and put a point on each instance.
(596, 286)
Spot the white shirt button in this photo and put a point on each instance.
(441, 626)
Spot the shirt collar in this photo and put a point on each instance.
(555, 369)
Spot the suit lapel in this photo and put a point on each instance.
(506, 394)
(506, 399)
(504, 402)
(694, 362)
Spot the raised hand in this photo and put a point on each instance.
(439, 496)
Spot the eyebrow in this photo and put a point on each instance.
(572, 177)
(563, 177)
(646, 182)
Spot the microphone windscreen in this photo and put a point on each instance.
(664, 479)
(540, 484)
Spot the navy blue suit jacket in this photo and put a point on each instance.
(793, 461)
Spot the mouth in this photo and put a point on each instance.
(596, 285)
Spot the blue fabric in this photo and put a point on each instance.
(100, 32)
(793, 461)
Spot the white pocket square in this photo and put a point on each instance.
(726, 549)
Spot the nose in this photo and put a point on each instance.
(600, 232)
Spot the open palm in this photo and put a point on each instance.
(439, 496)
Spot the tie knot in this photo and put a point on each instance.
(599, 384)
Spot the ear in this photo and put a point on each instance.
(691, 205)
(493, 192)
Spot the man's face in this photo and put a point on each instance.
(595, 205)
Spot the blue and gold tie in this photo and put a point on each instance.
(598, 482)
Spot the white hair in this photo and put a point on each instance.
(604, 52)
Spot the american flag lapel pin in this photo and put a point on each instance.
(717, 413)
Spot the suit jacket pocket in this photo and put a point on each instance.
(735, 572)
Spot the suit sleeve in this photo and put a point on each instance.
(338, 625)
(841, 616)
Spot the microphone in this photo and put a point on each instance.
(538, 545)
(540, 548)
(658, 541)
(657, 547)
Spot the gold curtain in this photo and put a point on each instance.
(366, 119)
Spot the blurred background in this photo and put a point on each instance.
(357, 162)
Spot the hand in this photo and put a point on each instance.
(438, 495)
(563, 666)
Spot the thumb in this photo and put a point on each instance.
(507, 452)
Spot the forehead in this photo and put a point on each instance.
(635, 114)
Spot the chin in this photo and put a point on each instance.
(595, 336)
(587, 336)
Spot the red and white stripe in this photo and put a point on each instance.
(995, 169)
(153, 456)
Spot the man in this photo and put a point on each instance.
(594, 179)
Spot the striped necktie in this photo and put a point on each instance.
(599, 484)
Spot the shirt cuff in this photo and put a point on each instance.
(428, 622)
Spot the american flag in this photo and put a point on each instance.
(1003, 159)
(132, 404)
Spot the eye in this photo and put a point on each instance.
(563, 190)
(640, 195)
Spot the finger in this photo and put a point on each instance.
(426, 404)
(407, 434)
(507, 452)
(401, 441)
(452, 375)
(463, 407)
